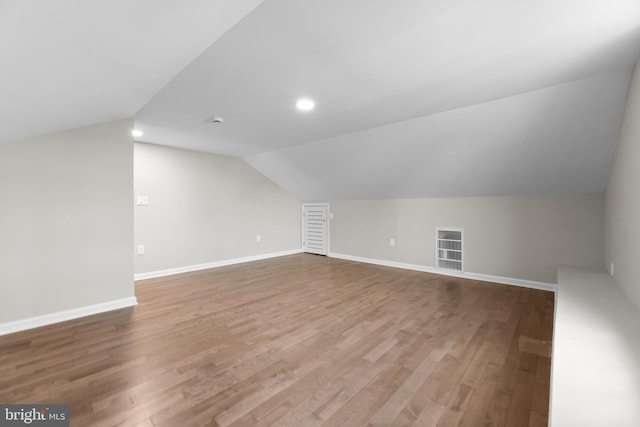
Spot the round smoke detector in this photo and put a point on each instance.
(216, 120)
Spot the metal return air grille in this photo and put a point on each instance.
(449, 248)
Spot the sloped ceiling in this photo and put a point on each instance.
(71, 63)
(414, 98)
(556, 140)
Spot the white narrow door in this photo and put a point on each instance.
(314, 220)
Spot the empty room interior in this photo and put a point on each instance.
(320, 213)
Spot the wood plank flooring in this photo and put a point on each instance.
(301, 340)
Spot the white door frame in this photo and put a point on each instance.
(328, 226)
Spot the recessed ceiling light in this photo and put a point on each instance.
(136, 133)
(305, 104)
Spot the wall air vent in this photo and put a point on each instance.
(449, 248)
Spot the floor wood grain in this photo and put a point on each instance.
(301, 340)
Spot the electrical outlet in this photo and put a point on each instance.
(143, 200)
(140, 249)
(392, 242)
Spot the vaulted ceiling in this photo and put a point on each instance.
(73, 63)
(413, 99)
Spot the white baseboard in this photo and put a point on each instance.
(63, 316)
(190, 268)
(476, 276)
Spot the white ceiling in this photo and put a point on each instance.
(557, 140)
(414, 98)
(72, 63)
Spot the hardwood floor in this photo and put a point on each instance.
(297, 341)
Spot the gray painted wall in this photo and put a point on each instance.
(623, 199)
(66, 220)
(516, 237)
(205, 208)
